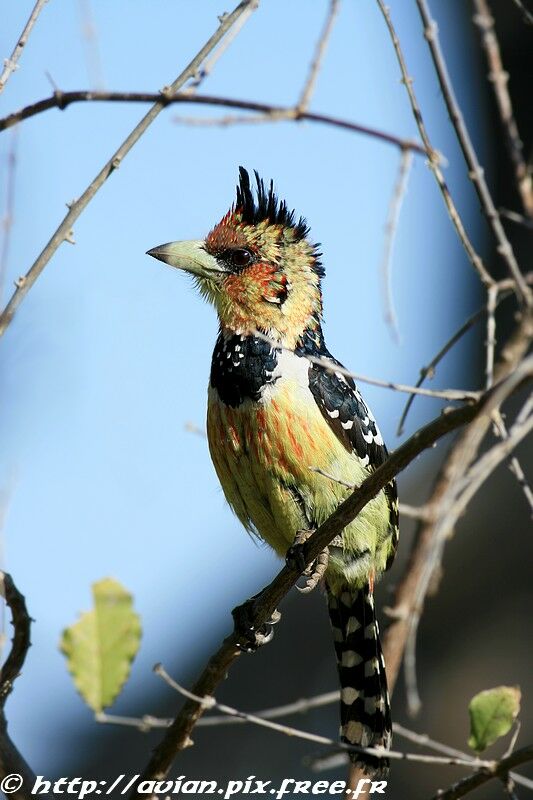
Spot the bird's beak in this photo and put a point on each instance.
(190, 256)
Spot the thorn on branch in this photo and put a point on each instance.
(10, 64)
(60, 99)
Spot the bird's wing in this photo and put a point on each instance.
(348, 416)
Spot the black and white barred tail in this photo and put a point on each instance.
(365, 704)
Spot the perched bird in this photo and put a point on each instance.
(273, 413)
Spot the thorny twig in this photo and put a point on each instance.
(228, 39)
(11, 63)
(475, 171)
(433, 159)
(168, 97)
(499, 79)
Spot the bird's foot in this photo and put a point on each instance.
(252, 637)
(315, 572)
(295, 559)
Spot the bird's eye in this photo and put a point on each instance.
(239, 257)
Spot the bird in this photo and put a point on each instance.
(290, 434)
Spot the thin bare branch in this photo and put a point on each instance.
(475, 171)
(209, 702)
(332, 477)
(429, 370)
(518, 219)
(486, 465)
(321, 361)
(406, 510)
(499, 78)
(398, 194)
(143, 724)
(514, 739)
(526, 15)
(63, 231)
(227, 120)
(168, 97)
(514, 464)
(11, 63)
(490, 344)
(433, 161)
(505, 291)
(499, 770)
(338, 759)
(296, 707)
(414, 512)
(147, 723)
(228, 39)
(320, 52)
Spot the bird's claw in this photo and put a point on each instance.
(252, 638)
(315, 572)
(295, 559)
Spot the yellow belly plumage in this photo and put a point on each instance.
(263, 453)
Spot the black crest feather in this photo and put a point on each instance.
(266, 205)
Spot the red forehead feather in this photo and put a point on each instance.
(228, 233)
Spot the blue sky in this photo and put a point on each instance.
(108, 357)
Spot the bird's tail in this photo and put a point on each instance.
(365, 704)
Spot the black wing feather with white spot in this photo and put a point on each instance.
(347, 414)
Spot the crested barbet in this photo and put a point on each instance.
(290, 437)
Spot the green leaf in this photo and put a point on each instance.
(492, 714)
(101, 645)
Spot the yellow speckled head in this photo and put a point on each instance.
(256, 266)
